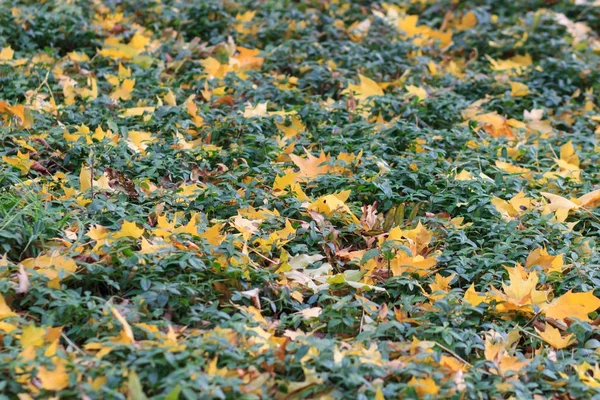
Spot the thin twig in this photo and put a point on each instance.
(62, 334)
(530, 333)
(455, 355)
(262, 256)
(531, 320)
(362, 318)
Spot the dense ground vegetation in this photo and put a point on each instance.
(299, 199)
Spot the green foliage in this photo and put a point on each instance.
(235, 288)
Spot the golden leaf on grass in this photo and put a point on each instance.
(170, 99)
(213, 235)
(138, 141)
(129, 229)
(464, 175)
(572, 306)
(559, 203)
(588, 374)
(257, 110)
(23, 114)
(32, 336)
(5, 310)
(466, 22)
(552, 336)
(420, 237)
(513, 169)
(126, 336)
(416, 91)
(512, 208)
(123, 92)
(85, 180)
(494, 124)
(521, 295)
(359, 30)
(6, 53)
(312, 312)
(312, 166)
(333, 203)
(499, 348)
(417, 264)
(516, 63)
(441, 286)
(365, 89)
(137, 111)
(543, 259)
(472, 297)
(241, 26)
(55, 379)
(568, 154)
(424, 386)
(421, 34)
(51, 265)
(21, 161)
(591, 199)
(518, 89)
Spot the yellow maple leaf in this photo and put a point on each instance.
(559, 203)
(281, 182)
(55, 379)
(213, 235)
(552, 336)
(568, 154)
(512, 208)
(139, 140)
(441, 286)
(513, 169)
(518, 89)
(126, 336)
(312, 166)
(467, 21)
(333, 203)
(419, 237)
(170, 99)
(32, 336)
(424, 386)
(214, 69)
(416, 91)
(543, 259)
(123, 92)
(472, 297)
(591, 199)
(50, 265)
(589, 375)
(129, 229)
(573, 306)
(521, 295)
(497, 350)
(359, 30)
(5, 310)
(247, 59)
(255, 111)
(7, 53)
(464, 175)
(137, 111)
(21, 161)
(493, 123)
(365, 89)
(414, 264)
(517, 63)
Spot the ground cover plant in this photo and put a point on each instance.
(299, 199)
